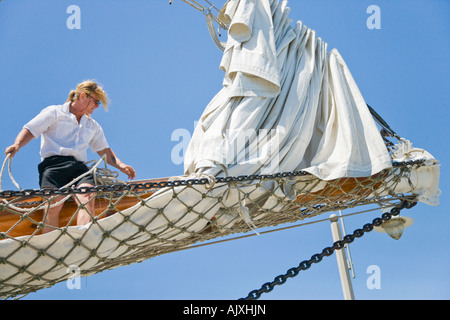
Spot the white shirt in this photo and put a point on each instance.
(62, 135)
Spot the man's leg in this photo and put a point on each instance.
(87, 203)
(52, 218)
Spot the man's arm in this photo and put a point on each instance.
(22, 139)
(112, 159)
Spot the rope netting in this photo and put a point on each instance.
(134, 222)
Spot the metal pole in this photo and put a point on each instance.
(341, 260)
(347, 247)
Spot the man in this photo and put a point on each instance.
(67, 131)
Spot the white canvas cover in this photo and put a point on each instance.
(287, 104)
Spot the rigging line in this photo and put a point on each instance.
(212, 5)
(200, 7)
(279, 229)
(204, 10)
(382, 122)
(194, 5)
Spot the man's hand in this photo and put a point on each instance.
(128, 170)
(12, 150)
(112, 159)
(22, 139)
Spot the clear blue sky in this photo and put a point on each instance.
(160, 68)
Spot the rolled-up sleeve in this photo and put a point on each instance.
(99, 142)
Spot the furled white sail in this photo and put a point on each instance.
(287, 104)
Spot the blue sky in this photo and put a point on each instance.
(160, 69)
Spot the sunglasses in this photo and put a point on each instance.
(97, 102)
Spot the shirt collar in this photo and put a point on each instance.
(66, 106)
(66, 109)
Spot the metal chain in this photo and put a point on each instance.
(328, 251)
(164, 184)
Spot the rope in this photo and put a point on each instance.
(210, 20)
(91, 170)
(8, 157)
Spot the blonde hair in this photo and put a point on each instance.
(90, 87)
